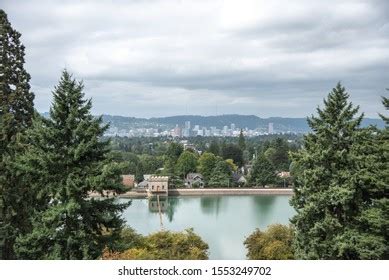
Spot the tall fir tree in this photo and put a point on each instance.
(242, 141)
(336, 186)
(67, 160)
(263, 172)
(16, 111)
(214, 147)
(221, 175)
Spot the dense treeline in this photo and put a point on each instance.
(341, 189)
(168, 157)
(157, 146)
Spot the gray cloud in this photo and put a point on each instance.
(158, 58)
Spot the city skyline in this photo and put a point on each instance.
(187, 130)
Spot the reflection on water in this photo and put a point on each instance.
(222, 221)
(167, 205)
(263, 205)
(210, 205)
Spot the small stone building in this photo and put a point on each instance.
(158, 185)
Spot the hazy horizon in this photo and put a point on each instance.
(221, 115)
(152, 58)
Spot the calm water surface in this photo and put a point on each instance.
(221, 221)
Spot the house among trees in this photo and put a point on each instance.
(284, 174)
(239, 179)
(194, 180)
(158, 185)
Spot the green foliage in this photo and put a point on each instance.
(171, 157)
(162, 245)
(174, 151)
(16, 112)
(277, 154)
(273, 244)
(263, 172)
(242, 141)
(214, 147)
(231, 151)
(187, 162)
(221, 175)
(206, 164)
(385, 102)
(232, 165)
(128, 239)
(340, 187)
(65, 161)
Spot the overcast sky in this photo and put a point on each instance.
(148, 58)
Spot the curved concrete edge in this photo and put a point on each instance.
(213, 191)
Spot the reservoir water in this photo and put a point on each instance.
(222, 221)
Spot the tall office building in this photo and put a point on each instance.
(271, 128)
(187, 125)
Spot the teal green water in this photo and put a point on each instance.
(221, 221)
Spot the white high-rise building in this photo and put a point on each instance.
(187, 125)
(271, 128)
(225, 130)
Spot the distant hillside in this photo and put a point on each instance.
(241, 121)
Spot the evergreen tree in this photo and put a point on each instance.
(214, 148)
(242, 141)
(221, 175)
(65, 162)
(385, 102)
(262, 173)
(207, 163)
(174, 151)
(186, 163)
(231, 151)
(16, 111)
(337, 187)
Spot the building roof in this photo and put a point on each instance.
(237, 177)
(143, 184)
(158, 179)
(194, 176)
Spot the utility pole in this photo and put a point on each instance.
(160, 213)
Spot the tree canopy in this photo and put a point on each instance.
(337, 189)
(65, 161)
(186, 163)
(162, 245)
(263, 172)
(273, 244)
(16, 112)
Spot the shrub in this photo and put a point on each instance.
(273, 244)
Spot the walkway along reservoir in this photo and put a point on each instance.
(213, 191)
(223, 221)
